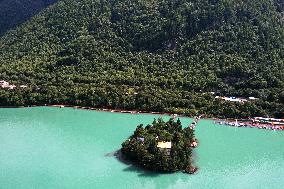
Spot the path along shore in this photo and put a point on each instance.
(113, 110)
(100, 109)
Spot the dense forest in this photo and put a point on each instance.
(15, 12)
(162, 147)
(163, 55)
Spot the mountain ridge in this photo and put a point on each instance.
(13, 13)
(151, 55)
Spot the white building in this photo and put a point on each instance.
(165, 146)
(252, 98)
(232, 99)
(4, 84)
(12, 86)
(23, 86)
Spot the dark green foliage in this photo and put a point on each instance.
(164, 55)
(15, 12)
(148, 155)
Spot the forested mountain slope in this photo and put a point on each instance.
(15, 12)
(163, 55)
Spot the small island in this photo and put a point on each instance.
(161, 147)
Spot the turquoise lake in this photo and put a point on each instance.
(66, 148)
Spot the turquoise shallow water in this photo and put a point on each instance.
(53, 148)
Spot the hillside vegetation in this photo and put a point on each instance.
(162, 55)
(15, 12)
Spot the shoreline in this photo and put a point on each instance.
(114, 110)
(217, 121)
(102, 109)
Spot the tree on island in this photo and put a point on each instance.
(161, 147)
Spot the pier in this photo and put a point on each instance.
(257, 122)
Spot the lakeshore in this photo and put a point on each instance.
(100, 109)
(249, 123)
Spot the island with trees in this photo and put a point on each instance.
(161, 147)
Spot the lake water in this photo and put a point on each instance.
(53, 148)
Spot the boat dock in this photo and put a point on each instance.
(258, 122)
